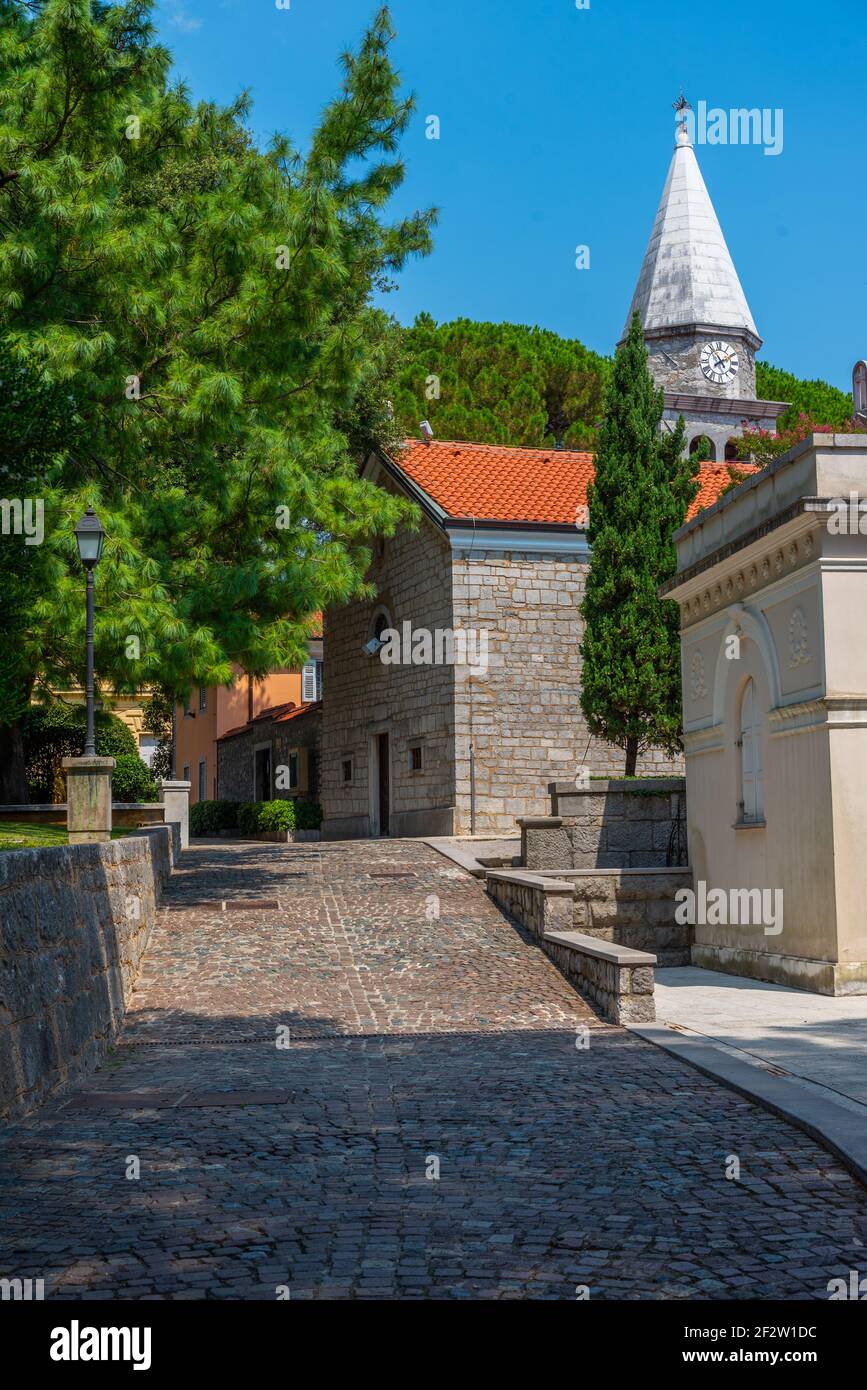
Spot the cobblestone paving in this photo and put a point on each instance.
(412, 1039)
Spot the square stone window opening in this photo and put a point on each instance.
(346, 770)
(416, 759)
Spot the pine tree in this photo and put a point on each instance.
(499, 383)
(640, 495)
(204, 309)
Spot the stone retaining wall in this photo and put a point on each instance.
(538, 903)
(633, 908)
(616, 824)
(74, 924)
(620, 988)
(628, 907)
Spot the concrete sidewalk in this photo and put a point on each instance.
(812, 1036)
(802, 1055)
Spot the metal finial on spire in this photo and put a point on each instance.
(681, 106)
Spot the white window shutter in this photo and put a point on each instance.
(308, 681)
(750, 757)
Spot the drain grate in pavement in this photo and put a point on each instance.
(229, 905)
(390, 873)
(167, 1100)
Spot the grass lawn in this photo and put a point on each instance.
(20, 835)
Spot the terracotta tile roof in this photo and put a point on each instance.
(294, 711)
(494, 483)
(713, 479)
(277, 714)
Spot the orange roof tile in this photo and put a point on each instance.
(713, 479)
(494, 483)
(294, 711)
(278, 714)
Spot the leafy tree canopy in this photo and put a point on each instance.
(499, 383)
(503, 383)
(190, 320)
(815, 399)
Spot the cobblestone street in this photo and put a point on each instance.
(415, 1042)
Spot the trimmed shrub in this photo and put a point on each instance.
(132, 780)
(308, 815)
(209, 817)
(256, 817)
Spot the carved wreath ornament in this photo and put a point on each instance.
(799, 652)
(697, 687)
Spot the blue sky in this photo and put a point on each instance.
(557, 129)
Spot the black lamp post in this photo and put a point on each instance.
(89, 537)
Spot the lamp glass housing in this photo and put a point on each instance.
(89, 537)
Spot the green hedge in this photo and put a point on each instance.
(56, 731)
(209, 817)
(132, 780)
(254, 817)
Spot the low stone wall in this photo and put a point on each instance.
(540, 904)
(74, 924)
(619, 981)
(633, 907)
(616, 978)
(617, 824)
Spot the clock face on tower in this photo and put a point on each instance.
(719, 362)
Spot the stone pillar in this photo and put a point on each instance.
(88, 799)
(176, 799)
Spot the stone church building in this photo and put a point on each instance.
(439, 747)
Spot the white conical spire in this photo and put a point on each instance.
(688, 277)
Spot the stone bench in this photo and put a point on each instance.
(617, 979)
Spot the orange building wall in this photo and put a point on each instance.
(195, 737)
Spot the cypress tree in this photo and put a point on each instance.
(641, 493)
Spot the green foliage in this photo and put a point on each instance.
(210, 817)
(308, 815)
(815, 399)
(158, 721)
(762, 446)
(509, 384)
(198, 314)
(499, 384)
(256, 817)
(132, 780)
(56, 731)
(642, 490)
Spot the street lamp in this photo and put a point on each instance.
(89, 537)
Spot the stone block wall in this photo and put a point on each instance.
(633, 909)
(74, 924)
(235, 756)
(412, 704)
(621, 991)
(538, 905)
(611, 825)
(523, 718)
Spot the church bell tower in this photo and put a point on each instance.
(700, 335)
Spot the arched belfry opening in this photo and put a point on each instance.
(706, 445)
